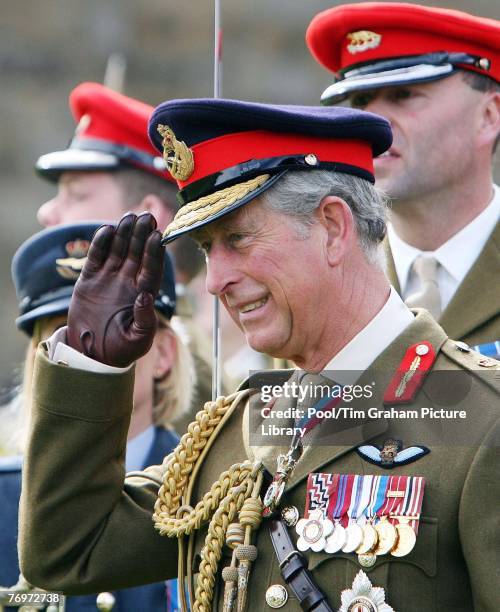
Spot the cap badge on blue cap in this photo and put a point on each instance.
(362, 41)
(70, 267)
(177, 155)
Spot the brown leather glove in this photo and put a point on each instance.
(111, 317)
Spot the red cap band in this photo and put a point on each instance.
(226, 151)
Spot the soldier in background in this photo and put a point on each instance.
(45, 269)
(109, 168)
(434, 74)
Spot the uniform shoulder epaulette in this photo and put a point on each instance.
(466, 356)
(486, 368)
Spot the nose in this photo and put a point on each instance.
(221, 271)
(48, 214)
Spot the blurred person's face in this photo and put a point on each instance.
(83, 196)
(154, 365)
(434, 127)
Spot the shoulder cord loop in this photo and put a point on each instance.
(173, 515)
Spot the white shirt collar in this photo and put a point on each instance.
(138, 449)
(452, 255)
(370, 342)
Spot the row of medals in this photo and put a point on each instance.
(370, 538)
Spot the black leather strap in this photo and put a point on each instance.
(294, 571)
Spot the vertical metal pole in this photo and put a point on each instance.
(217, 50)
(216, 340)
(116, 68)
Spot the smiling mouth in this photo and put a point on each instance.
(253, 305)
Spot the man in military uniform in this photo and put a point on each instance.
(110, 167)
(44, 270)
(434, 74)
(281, 200)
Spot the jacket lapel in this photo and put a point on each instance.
(381, 371)
(267, 454)
(321, 451)
(478, 296)
(476, 299)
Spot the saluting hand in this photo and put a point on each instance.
(111, 316)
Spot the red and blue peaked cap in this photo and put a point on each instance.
(225, 153)
(111, 133)
(380, 44)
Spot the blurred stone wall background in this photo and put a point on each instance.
(47, 47)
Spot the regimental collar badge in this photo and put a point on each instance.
(177, 155)
(363, 597)
(391, 454)
(362, 41)
(410, 375)
(70, 267)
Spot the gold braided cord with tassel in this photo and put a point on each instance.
(212, 551)
(246, 553)
(238, 538)
(173, 515)
(235, 535)
(209, 205)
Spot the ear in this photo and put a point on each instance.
(489, 125)
(165, 347)
(335, 216)
(153, 204)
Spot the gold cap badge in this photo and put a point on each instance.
(70, 267)
(362, 41)
(177, 155)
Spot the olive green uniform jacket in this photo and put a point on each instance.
(86, 529)
(473, 314)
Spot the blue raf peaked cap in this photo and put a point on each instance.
(224, 153)
(46, 267)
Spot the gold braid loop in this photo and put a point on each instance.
(209, 205)
(172, 526)
(181, 461)
(227, 497)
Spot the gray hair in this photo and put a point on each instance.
(298, 194)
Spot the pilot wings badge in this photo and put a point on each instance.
(391, 454)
